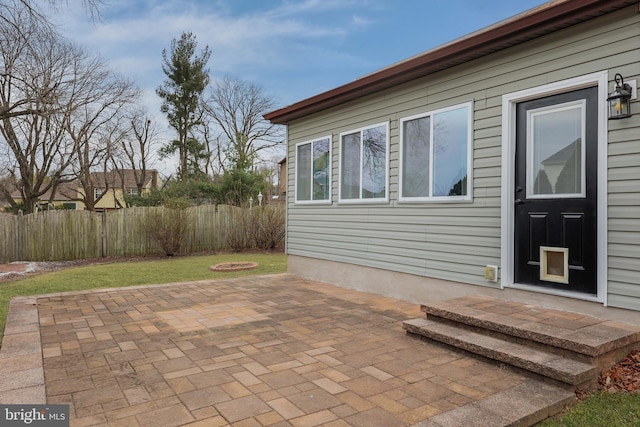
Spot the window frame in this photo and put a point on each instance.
(361, 130)
(431, 114)
(330, 177)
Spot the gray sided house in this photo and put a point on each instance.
(487, 165)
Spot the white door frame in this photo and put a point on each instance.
(509, 101)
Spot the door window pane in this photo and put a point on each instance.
(556, 158)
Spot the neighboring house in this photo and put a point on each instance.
(113, 184)
(64, 197)
(487, 165)
(119, 184)
(282, 179)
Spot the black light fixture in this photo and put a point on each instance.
(620, 100)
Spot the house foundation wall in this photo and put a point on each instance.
(423, 290)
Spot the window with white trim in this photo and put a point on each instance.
(436, 155)
(364, 164)
(313, 171)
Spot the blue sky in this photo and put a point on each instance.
(293, 49)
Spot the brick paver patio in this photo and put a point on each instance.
(259, 351)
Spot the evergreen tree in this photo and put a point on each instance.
(187, 78)
(238, 185)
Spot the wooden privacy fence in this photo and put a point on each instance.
(68, 235)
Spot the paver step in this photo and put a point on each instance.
(581, 334)
(544, 363)
(523, 405)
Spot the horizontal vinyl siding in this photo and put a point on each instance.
(454, 241)
(624, 214)
(624, 185)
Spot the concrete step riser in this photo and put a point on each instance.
(515, 339)
(541, 337)
(601, 361)
(549, 365)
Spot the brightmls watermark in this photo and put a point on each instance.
(34, 415)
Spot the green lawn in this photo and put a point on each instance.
(601, 409)
(131, 273)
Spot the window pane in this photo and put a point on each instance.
(321, 164)
(557, 151)
(303, 180)
(415, 157)
(350, 173)
(374, 168)
(450, 139)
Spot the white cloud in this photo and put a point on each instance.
(132, 37)
(287, 47)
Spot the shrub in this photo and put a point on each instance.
(267, 227)
(262, 227)
(238, 237)
(167, 225)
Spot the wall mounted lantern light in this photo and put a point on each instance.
(620, 100)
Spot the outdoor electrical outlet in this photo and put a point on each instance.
(491, 273)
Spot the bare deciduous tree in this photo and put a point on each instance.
(137, 147)
(102, 97)
(21, 41)
(37, 93)
(210, 136)
(237, 107)
(55, 101)
(34, 8)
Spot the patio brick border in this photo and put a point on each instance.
(21, 370)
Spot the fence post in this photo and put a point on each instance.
(214, 228)
(20, 234)
(104, 233)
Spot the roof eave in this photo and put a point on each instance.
(529, 25)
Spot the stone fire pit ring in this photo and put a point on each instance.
(234, 266)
